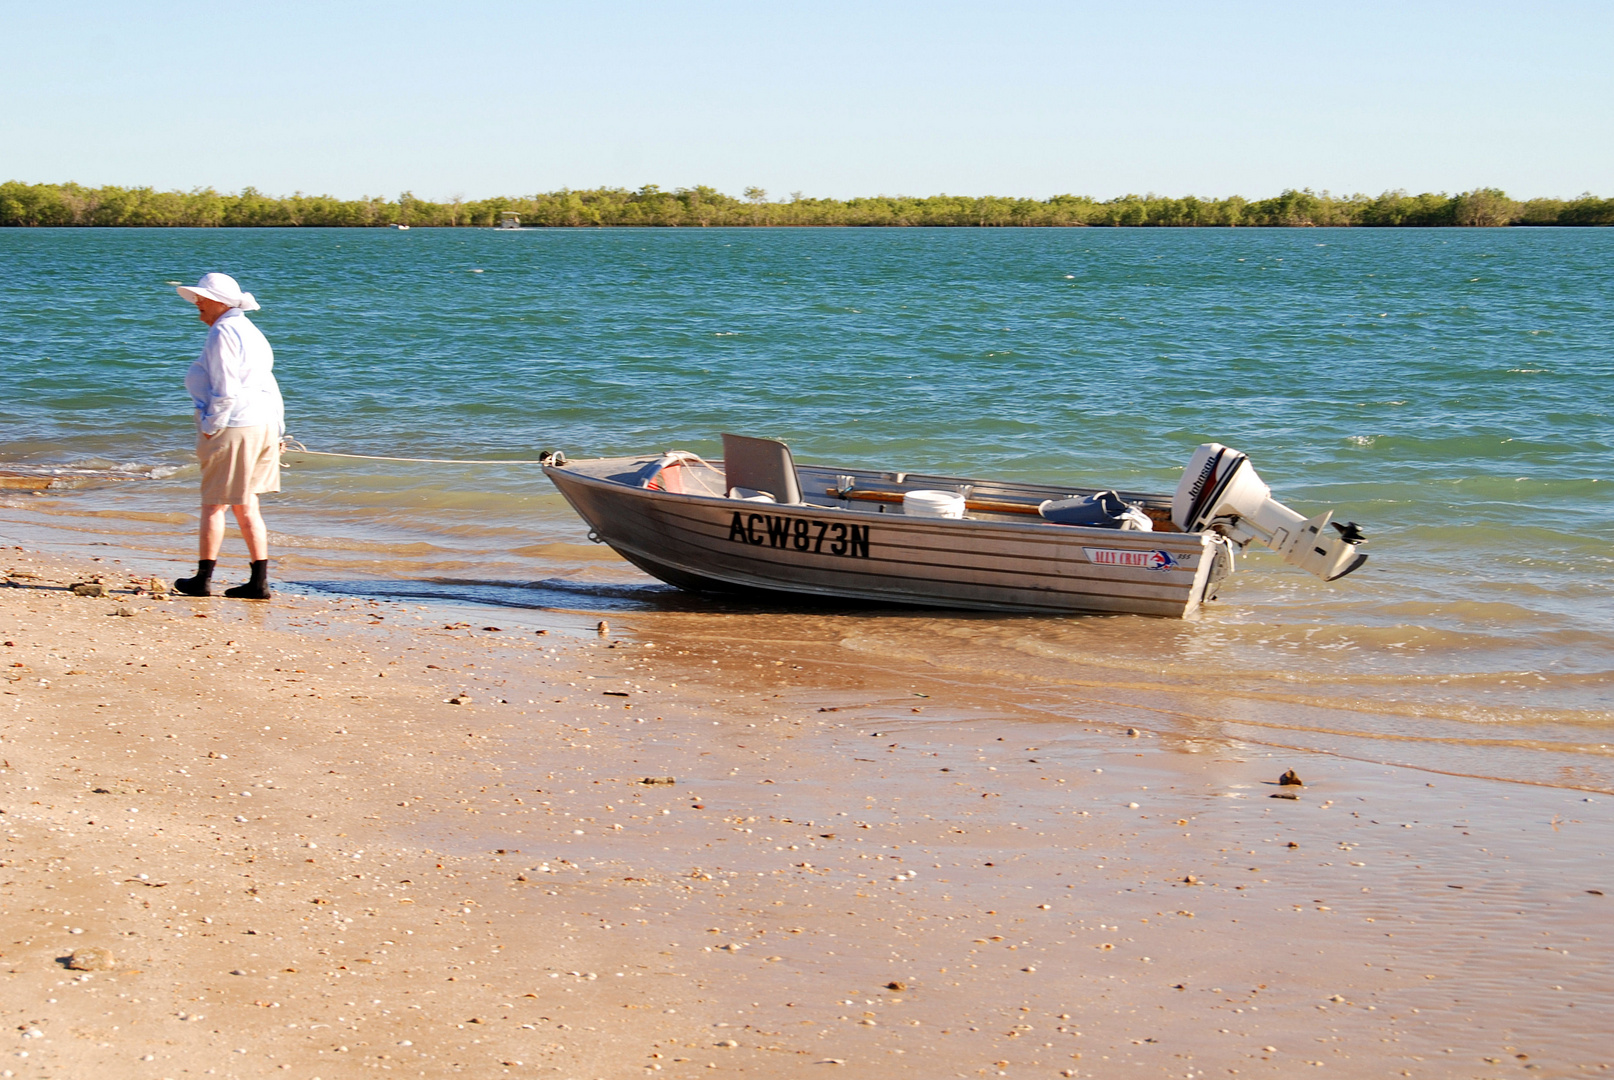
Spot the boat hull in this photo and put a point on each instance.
(699, 542)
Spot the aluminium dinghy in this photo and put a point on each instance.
(756, 521)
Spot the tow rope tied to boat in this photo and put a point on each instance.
(546, 457)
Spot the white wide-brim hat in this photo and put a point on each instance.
(220, 287)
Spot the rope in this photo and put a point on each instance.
(549, 457)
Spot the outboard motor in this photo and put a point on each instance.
(1220, 491)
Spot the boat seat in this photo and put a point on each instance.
(760, 465)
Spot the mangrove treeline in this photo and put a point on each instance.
(76, 205)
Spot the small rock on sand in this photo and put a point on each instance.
(89, 588)
(1289, 778)
(654, 781)
(91, 959)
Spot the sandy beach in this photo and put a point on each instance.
(337, 837)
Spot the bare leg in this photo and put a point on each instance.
(211, 536)
(252, 528)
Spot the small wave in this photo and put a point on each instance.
(397, 549)
(79, 474)
(558, 551)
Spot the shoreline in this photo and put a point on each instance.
(77, 206)
(835, 826)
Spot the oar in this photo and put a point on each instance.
(995, 506)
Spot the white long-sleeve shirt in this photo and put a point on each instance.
(232, 383)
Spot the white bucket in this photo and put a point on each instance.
(933, 504)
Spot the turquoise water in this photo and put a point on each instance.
(1449, 389)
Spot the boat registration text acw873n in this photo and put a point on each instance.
(801, 534)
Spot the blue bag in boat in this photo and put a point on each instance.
(1102, 510)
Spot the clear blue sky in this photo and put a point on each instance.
(832, 98)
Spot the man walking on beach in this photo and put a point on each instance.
(240, 422)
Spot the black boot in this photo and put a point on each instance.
(258, 587)
(198, 585)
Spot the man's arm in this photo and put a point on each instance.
(223, 357)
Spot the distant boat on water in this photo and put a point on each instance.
(509, 219)
(395, 225)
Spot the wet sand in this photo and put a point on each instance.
(330, 837)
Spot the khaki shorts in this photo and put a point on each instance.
(238, 462)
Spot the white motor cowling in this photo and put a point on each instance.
(1220, 491)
